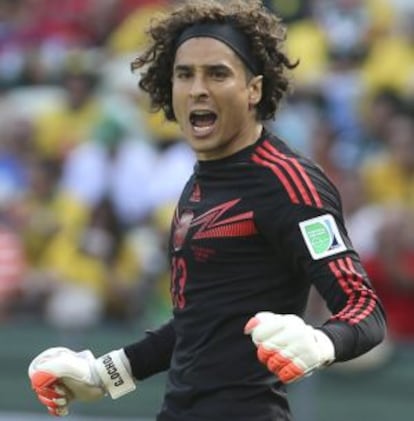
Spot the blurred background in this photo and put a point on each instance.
(89, 178)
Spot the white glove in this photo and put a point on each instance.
(288, 346)
(60, 375)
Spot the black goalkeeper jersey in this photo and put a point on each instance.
(252, 232)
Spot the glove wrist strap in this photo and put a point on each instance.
(114, 371)
(326, 347)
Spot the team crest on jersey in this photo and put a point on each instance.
(322, 237)
(196, 194)
(182, 225)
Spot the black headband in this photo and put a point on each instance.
(227, 33)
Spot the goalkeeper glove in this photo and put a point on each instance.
(289, 347)
(60, 375)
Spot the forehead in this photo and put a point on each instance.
(201, 51)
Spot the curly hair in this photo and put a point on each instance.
(263, 28)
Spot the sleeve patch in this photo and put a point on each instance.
(322, 237)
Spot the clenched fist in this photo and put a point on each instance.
(289, 347)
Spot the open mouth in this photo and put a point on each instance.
(203, 122)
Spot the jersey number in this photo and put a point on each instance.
(178, 280)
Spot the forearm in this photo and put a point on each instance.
(352, 340)
(152, 354)
(358, 321)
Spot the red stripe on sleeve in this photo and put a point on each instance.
(295, 163)
(279, 174)
(286, 165)
(358, 307)
(353, 277)
(368, 294)
(345, 285)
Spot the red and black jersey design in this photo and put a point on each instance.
(239, 249)
(290, 173)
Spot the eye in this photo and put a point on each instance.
(182, 74)
(218, 73)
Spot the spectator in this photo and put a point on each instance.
(60, 129)
(95, 266)
(391, 269)
(113, 163)
(390, 176)
(397, 45)
(13, 264)
(377, 111)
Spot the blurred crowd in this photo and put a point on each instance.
(89, 177)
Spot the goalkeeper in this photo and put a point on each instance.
(256, 226)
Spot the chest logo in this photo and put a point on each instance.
(182, 225)
(213, 224)
(196, 194)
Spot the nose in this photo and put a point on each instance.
(198, 88)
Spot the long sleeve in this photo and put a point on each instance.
(358, 320)
(301, 217)
(152, 354)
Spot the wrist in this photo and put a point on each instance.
(326, 347)
(115, 373)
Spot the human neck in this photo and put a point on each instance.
(242, 139)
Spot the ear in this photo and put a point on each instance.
(255, 90)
